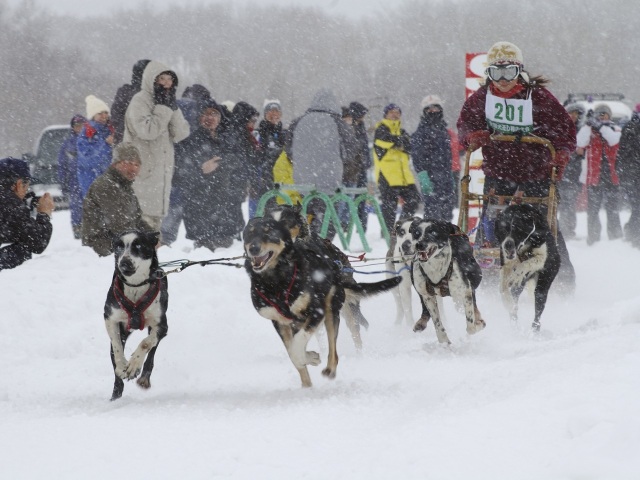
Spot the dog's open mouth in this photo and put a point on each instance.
(425, 255)
(259, 262)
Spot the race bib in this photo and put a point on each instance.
(509, 115)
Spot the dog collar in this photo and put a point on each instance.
(135, 311)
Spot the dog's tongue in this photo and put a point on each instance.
(259, 261)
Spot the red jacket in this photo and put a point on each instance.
(598, 146)
(520, 162)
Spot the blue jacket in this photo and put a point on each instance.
(94, 153)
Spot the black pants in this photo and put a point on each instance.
(390, 196)
(609, 195)
(569, 192)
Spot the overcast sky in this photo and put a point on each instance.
(346, 8)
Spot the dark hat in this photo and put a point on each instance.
(14, 168)
(210, 103)
(346, 112)
(197, 92)
(76, 119)
(357, 110)
(391, 106)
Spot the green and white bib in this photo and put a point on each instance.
(509, 115)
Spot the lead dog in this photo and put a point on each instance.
(444, 266)
(298, 287)
(528, 252)
(137, 299)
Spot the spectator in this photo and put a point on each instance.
(68, 173)
(95, 143)
(190, 102)
(244, 152)
(628, 169)
(271, 136)
(511, 167)
(123, 97)
(431, 152)
(153, 123)
(599, 139)
(24, 233)
(391, 147)
(111, 206)
(569, 186)
(319, 145)
(209, 174)
(362, 155)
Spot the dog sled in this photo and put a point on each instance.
(479, 227)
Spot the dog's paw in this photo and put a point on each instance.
(120, 371)
(476, 326)
(329, 373)
(144, 382)
(421, 324)
(133, 370)
(313, 358)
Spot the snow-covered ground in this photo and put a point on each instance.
(226, 401)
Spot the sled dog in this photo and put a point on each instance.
(137, 300)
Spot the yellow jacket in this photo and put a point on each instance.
(392, 162)
(283, 174)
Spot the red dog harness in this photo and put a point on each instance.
(286, 296)
(135, 311)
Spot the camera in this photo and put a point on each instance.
(32, 200)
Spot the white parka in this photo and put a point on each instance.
(154, 129)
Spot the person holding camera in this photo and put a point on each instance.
(599, 139)
(25, 228)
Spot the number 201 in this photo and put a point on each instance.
(508, 111)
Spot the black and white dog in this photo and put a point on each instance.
(291, 217)
(399, 258)
(298, 287)
(137, 299)
(528, 251)
(444, 265)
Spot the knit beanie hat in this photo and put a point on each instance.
(391, 106)
(431, 100)
(357, 110)
(603, 108)
(125, 151)
(95, 106)
(504, 52)
(271, 105)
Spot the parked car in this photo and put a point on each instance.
(619, 108)
(44, 163)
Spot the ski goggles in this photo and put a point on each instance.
(503, 72)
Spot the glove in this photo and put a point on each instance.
(479, 138)
(560, 162)
(594, 123)
(425, 183)
(164, 96)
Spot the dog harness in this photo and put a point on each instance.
(442, 285)
(274, 304)
(135, 311)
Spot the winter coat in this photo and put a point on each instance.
(391, 147)
(209, 199)
(602, 144)
(25, 234)
(431, 152)
(94, 153)
(628, 158)
(244, 149)
(154, 129)
(283, 174)
(123, 98)
(513, 161)
(320, 144)
(272, 138)
(110, 208)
